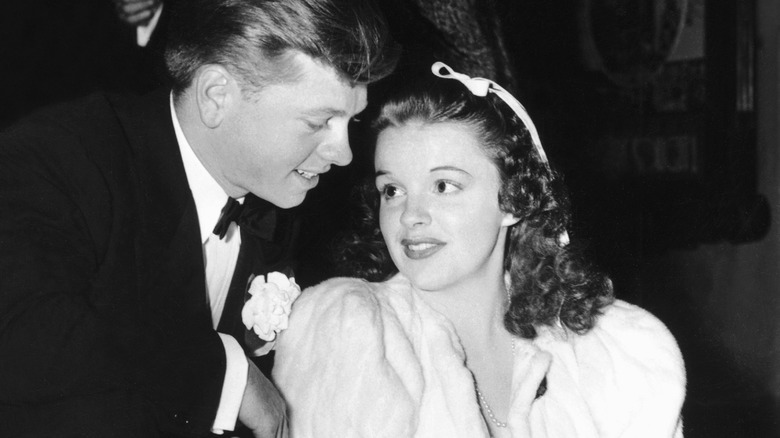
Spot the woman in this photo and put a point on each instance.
(493, 325)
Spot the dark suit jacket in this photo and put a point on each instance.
(104, 325)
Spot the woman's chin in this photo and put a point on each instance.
(427, 281)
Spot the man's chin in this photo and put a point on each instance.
(289, 201)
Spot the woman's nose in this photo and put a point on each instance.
(416, 212)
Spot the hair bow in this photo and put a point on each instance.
(481, 87)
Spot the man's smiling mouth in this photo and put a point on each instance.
(305, 174)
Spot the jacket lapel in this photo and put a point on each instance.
(230, 322)
(168, 240)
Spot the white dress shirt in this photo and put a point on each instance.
(219, 257)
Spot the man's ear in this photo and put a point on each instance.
(509, 220)
(215, 88)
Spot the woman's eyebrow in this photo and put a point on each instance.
(381, 172)
(450, 168)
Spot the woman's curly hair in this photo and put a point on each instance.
(550, 281)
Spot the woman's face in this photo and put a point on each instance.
(439, 211)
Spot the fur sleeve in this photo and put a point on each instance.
(631, 374)
(333, 368)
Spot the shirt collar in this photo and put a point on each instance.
(209, 196)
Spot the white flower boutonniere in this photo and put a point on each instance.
(268, 309)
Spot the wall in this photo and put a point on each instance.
(726, 297)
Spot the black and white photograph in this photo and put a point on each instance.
(390, 219)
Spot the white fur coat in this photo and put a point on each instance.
(373, 360)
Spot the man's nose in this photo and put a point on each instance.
(336, 149)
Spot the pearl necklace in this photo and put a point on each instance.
(490, 414)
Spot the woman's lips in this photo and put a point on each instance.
(417, 249)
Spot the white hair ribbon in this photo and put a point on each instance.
(481, 87)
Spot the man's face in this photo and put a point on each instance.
(277, 143)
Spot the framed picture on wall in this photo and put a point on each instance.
(674, 123)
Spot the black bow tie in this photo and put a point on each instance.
(256, 216)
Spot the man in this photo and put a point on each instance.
(119, 308)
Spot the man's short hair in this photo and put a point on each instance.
(253, 38)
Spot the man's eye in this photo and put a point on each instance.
(316, 125)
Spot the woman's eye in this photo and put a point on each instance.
(390, 191)
(446, 187)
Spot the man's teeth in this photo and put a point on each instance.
(307, 175)
(421, 246)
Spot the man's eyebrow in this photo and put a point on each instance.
(325, 111)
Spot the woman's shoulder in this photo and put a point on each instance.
(636, 331)
(333, 299)
(621, 327)
(623, 315)
(348, 303)
(338, 287)
(630, 339)
(628, 366)
(344, 292)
